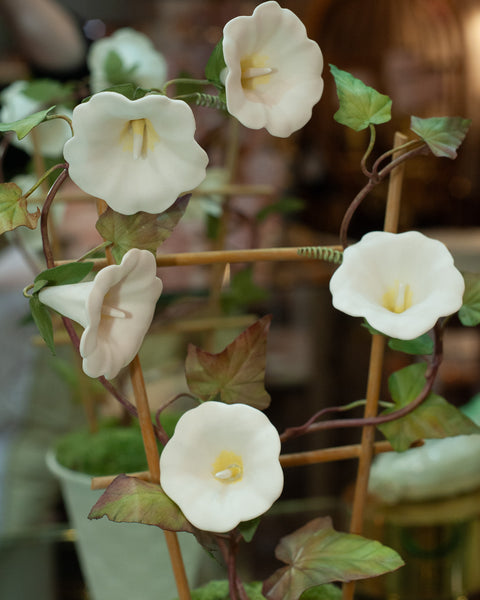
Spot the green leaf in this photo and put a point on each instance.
(129, 90)
(237, 374)
(284, 206)
(443, 135)
(434, 418)
(215, 65)
(422, 345)
(14, 209)
(242, 291)
(316, 554)
(131, 500)
(65, 274)
(327, 591)
(248, 528)
(22, 127)
(48, 91)
(360, 105)
(115, 70)
(43, 321)
(218, 590)
(469, 314)
(141, 230)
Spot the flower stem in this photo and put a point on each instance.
(43, 178)
(363, 162)
(93, 251)
(375, 179)
(47, 249)
(184, 80)
(64, 117)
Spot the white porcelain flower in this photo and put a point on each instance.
(116, 310)
(401, 283)
(51, 135)
(137, 155)
(222, 465)
(141, 63)
(274, 72)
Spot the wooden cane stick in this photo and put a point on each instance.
(375, 372)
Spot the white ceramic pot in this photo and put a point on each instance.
(120, 561)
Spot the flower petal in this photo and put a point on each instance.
(109, 343)
(103, 164)
(379, 262)
(187, 465)
(272, 38)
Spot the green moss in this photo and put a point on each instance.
(112, 449)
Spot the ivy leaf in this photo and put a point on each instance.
(215, 65)
(284, 206)
(242, 291)
(237, 373)
(63, 274)
(434, 418)
(22, 127)
(131, 500)
(469, 314)
(43, 321)
(443, 135)
(316, 554)
(327, 591)
(218, 590)
(115, 70)
(422, 345)
(141, 230)
(129, 90)
(360, 105)
(248, 528)
(14, 209)
(48, 90)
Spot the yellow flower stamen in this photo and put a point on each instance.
(254, 71)
(138, 136)
(398, 297)
(111, 311)
(228, 467)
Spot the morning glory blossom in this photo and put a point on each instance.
(141, 63)
(137, 155)
(273, 74)
(50, 136)
(400, 283)
(116, 310)
(222, 465)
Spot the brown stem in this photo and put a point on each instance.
(377, 420)
(47, 249)
(108, 385)
(375, 179)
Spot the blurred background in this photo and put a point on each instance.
(425, 54)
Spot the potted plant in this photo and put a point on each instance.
(222, 469)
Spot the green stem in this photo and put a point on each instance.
(363, 162)
(26, 290)
(42, 179)
(94, 250)
(64, 117)
(186, 80)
